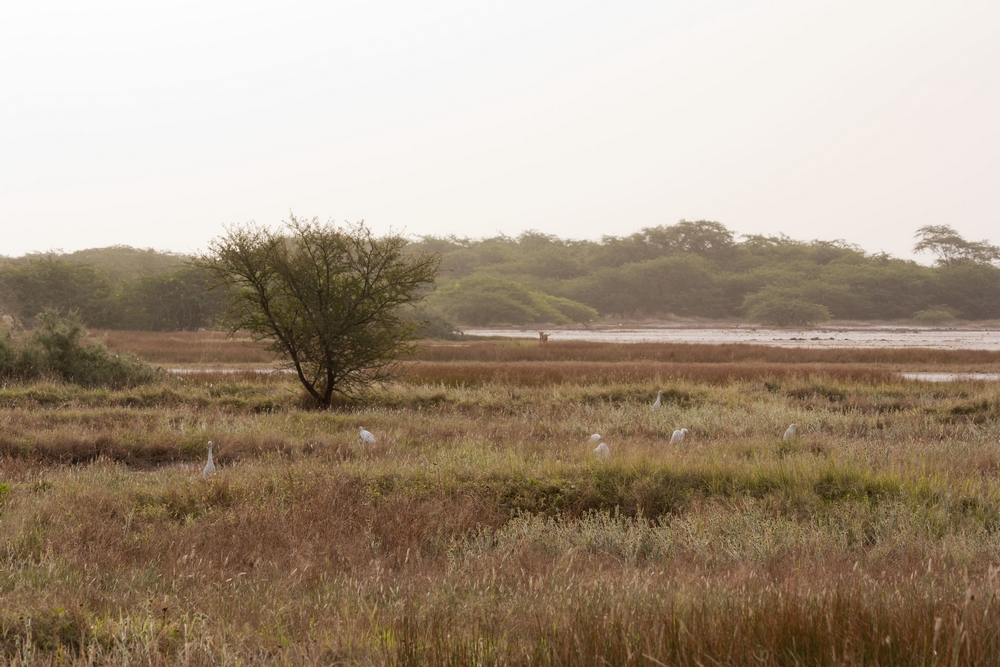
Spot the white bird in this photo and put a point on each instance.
(602, 451)
(210, 466)
(656, 405)
(366, 437)
(678, 436)
(791, 432)
(596, 437)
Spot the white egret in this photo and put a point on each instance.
(678, 436)
(602, 451)
(366, 437)
(659, 395)
(596, 437)
(210, 466)
(791, 432)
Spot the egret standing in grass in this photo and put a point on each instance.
(791, 432)
(657, 404)
(210, 466)
(678, 436)
(366, 437)
(602, 451)
(595, 438)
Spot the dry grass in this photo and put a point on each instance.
(686, 353)
(215, 348)
(186, 347)
(540, 373)
(481, 530)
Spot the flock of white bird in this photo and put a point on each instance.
(602, 451)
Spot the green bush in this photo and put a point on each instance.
(783, 308)
(434, 325)
(484, 300)
(57, 349)
(933, 316)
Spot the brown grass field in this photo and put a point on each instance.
(480, 528)
(187, 348)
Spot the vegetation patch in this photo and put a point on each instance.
(57, 350)
(481, 526)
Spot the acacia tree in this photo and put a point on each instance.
(328, 299)
(951, 248)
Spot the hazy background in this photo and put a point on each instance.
(153, 124)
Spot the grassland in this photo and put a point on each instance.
(481, 529)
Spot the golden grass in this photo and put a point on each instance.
(186, 347)
(687, 353)
(539, 373)
(216, 348)
(481, 529)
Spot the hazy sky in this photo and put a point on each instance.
(153, 124)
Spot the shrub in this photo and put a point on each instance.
(783, 308)
(933, 316)
(57, 348)
(484, 300)
(434, 325)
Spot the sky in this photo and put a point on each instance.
(156, 124)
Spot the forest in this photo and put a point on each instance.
(697, 269)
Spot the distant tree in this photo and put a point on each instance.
(176, 301)
(971, 290)
(951, 248)
(702, 237)
(939, 315)
(679, 284)
(543, 256)
(125, 263)
(328, 299)
(783, 308)
(29, 288)
(484, 299)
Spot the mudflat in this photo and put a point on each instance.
(958, 338)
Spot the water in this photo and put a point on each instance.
(226, 371)
(859, 337)
(951, 377)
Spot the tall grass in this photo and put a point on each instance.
(688, 353)
(215, 347)
(187, 347)
(541, 373)
(482, 530)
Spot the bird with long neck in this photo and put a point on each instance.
(210, 466)
(659, 396)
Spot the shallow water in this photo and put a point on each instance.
(951, 377)
(227, 371)
(861, 337)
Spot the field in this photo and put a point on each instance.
(481, 529)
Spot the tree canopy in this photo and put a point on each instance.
(329, 299)
(688, 269)
(702, 269)
(951, 248)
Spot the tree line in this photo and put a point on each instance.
(111, 288)
(688, 269)
(701, 269)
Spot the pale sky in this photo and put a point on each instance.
(153, 124)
